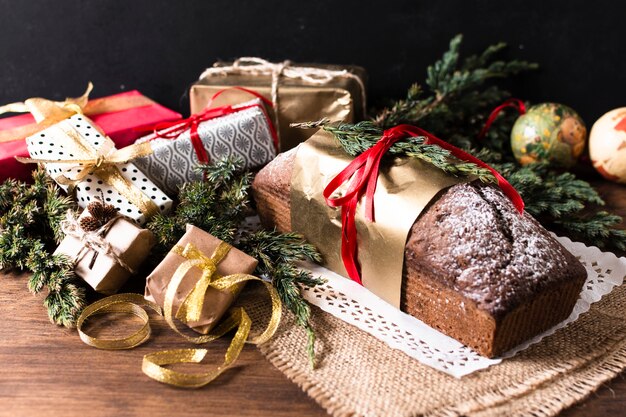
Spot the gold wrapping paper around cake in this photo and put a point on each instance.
(405, 187)
(216, 302)
(339, 99)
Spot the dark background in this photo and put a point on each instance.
(52, 48)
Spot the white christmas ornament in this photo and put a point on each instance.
(607, 145)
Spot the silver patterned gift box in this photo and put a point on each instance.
(73, 138)
(244, 131)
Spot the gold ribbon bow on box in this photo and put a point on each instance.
(189, 311)
(48, 112)
(86, 159)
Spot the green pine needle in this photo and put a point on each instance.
(30, 215)
(359, 137)
(218, 205)
(596, 229)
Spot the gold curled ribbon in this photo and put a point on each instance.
(101, 162)
(120, 303)
(153, 364)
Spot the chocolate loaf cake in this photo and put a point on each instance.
(473, 267)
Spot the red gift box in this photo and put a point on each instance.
(123, 117)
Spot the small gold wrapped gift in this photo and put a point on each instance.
(106, 249)
(198, 245)
(299, 92)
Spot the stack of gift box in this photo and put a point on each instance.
(124, 157)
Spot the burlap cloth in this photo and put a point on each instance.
(358, 375)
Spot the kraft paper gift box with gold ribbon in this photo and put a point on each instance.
(243, 131)
(121, 116)
(198, 245)
(299, 92)
(84, 161)
(107, 253)
(195, 283)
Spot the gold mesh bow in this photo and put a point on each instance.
(47, 112)
(101, 162)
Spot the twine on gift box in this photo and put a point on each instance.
(286, 69)
(92, 240)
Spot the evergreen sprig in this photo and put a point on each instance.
(30, 215)
(458, 98)
(560, 200)
(359, 137)
(219, 205)
(453, 84)
(596, 228)
(278, 254)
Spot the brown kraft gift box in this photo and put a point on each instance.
(338, 98)
(105, 275)
(216, 302)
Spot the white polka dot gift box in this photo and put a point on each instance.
(243, 131)
(92, 167)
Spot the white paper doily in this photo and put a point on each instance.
(356, 305)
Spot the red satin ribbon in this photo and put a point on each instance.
(362, 173)
(512, 102)
(245, 90)
(259, 96)
(171, 130)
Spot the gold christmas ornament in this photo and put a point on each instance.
(549, 132)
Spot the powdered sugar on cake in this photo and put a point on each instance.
(486, 250)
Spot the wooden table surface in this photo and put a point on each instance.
(46, 370)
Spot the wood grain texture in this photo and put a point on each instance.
(45, 370)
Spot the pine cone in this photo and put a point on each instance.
(89, 224)
(100, 215)
(101, 212)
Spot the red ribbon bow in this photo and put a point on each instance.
(171, 130)
(363, 171)
(513, 103)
